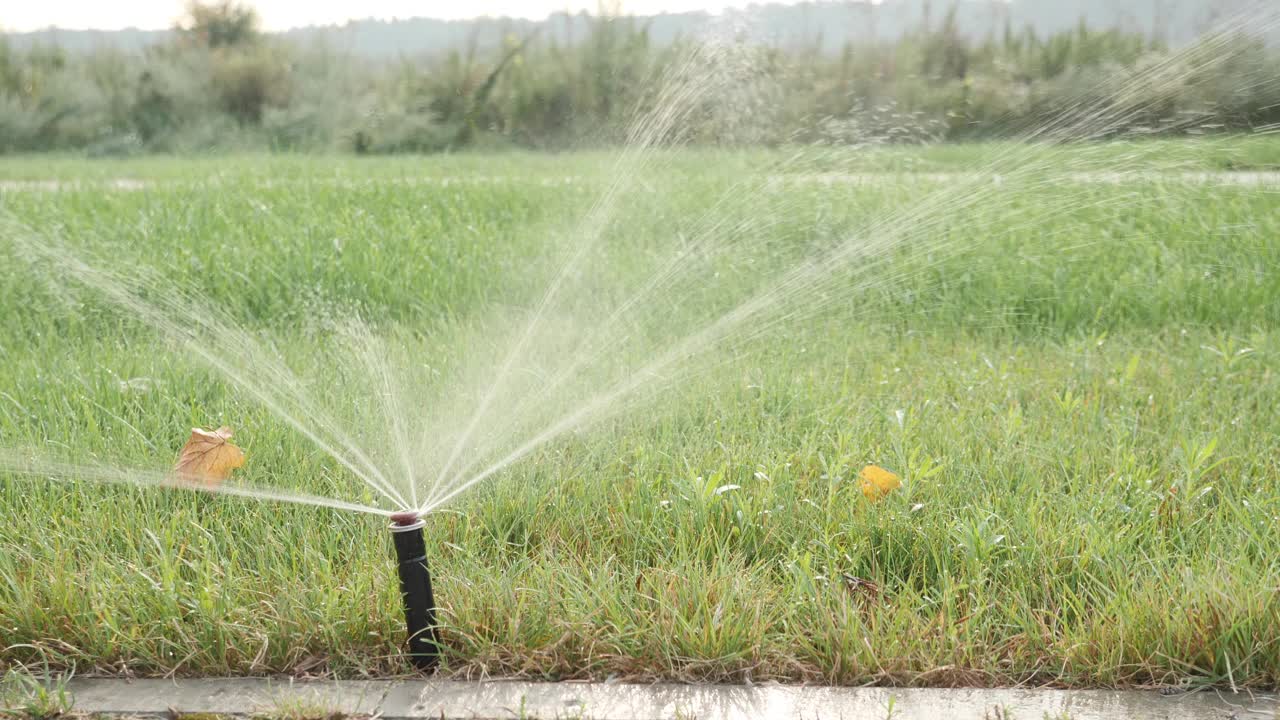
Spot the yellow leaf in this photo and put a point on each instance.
(207, 457)
(876, 482)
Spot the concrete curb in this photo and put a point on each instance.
(417, 700)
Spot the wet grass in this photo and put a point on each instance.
(1085, 407)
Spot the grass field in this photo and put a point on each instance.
(1080, 392)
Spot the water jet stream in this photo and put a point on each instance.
(1097, 120)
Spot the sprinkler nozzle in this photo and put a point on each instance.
(415, 590)
(405, 518)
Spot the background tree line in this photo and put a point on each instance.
(218, 83)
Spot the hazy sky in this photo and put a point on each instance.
(281, 14)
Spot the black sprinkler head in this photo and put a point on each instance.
(415, 590)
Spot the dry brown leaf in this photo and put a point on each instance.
(208, 457)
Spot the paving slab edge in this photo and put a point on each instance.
(419, 699)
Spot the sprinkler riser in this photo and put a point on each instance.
(415, 591)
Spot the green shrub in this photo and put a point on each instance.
(221, 84)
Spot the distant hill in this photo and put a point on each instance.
(830, 24)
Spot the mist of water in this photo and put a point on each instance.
(581, 353)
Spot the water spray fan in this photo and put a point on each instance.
(415, 589)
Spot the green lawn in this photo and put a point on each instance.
(1077, 381)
